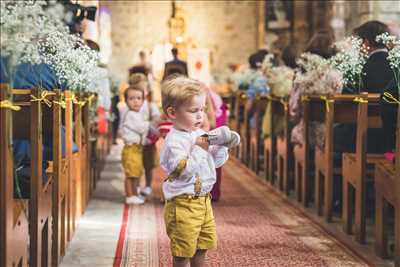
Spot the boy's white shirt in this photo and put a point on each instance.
(134, 128)
(180, 145)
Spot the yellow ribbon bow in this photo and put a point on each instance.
(72, 98)
(61, 103)
(43, 97)
(360, 100)
(390, 99)
(90, 99)
(305, 98)
(327, 101)
(10, 105)
(285, 104)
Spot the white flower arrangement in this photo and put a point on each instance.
(73, 61)
(280, 78)
(319, 77)
(246, 77)
(350, 61)
(33, 34)
(393, 45)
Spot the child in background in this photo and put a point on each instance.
(134, 129)
(190, 156)
(152, 114)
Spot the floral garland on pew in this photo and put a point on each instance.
(392, 43)
(280, 78)
(34, 32)
(349, 61)
(319, 76)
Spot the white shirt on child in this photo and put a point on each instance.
(155, 114)
(180, 145)
(134, 128)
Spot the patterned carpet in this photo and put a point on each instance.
(255, 228)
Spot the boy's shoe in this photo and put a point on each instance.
(223, 136)
(219, 136)
(235, 140)
(147, 191)
(134, 200)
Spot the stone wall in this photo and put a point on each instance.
(350, 14)
(135, 25)
(230, 29)
(227, 28)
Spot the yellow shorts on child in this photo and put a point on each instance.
(132, 160)
(190, 225)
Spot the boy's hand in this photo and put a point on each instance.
(202, 142)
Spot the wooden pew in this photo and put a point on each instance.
(77, 181)
(240, 101)
(358, 167)
(14, 228)
(86, 153)
(255, 133)
(283, 148)
(270, 145)
(70, 158)
(59, 172)
(244, 132)
(303, 153)
(39, 118)
(337, 109)
(387, 189)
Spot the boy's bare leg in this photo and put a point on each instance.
(180, 262)
(135, 185)
(148, 173)
(198, 258)
(131, 184)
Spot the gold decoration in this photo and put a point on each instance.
(178, 170)
(43, 98)
(197, 186)
(10, 105)
(389, 98)
(327, 101)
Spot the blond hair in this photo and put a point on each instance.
(178, 89)
(139, 80)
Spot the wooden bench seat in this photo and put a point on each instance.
(337, 109)
(358, 168)
(256, 132)
(14, 227)
(387, 191)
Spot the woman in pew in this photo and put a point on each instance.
(376, 76)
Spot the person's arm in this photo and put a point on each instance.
(180, 161)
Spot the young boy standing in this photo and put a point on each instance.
(134, 129)
(190, 162)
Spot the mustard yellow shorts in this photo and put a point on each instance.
(190, 225)
(151, 158)
(132, 160)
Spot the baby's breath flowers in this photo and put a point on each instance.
(319, 77)
(350, 60)
(280, 78)
(34, 32)
(393, 45)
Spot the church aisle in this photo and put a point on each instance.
(255, 228)
(96, 237)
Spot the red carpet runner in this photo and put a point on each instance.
(255, 228)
